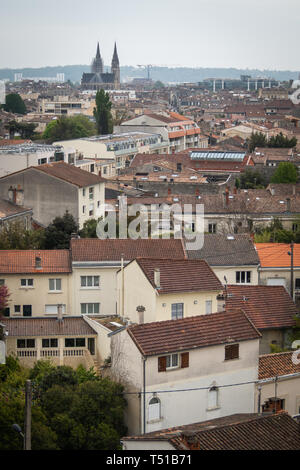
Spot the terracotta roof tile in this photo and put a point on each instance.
(24, 261)
(235, 432)
(180, 275)
(70, 173)
(75, 326)
(192, 332)
(275, 255)
(267, 306)
(272, 365)
(94, 249)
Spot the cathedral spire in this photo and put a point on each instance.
(98, 56)
(115, 59)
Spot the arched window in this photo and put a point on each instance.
(154, 409)
(213, 397)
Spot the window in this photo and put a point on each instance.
(294, 227)
(49, 343)
(6, 312)
(154, 409)
(25, 343)
(297, 283)
(91, 193)
(231, 352)
(212, 398)
(83, 209)
(2, 282)
(212, 228)
(92, 168)
(173, 361)
(27, 310)
(208, 306)
(177, 311)
(26, 282)
(75, 342)
(54, 309)
(243, 277)
(89, 281)
(55, 284)
(90, 308)
(17, 308)
(83, 192)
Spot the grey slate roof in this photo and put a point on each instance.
(226, 250)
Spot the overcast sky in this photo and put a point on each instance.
(261, 34)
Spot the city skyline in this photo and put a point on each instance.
(202, 34)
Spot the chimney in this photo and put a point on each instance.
(59, 312)
(288, 204)
(226, 197)
(11, 194)
(19, 196)
(294, 190)
(140, 309)
(157, 277)
(197, 192)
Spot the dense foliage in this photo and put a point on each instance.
(286, 172)
(71, 409)
(14, 104)
(102, 113)
(66, 128)
(258, 139)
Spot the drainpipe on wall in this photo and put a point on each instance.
(144, 395)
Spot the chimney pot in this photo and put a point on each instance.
(157, 277)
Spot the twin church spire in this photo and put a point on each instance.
(97, 64)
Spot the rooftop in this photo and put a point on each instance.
(41, 326)
(177, 275)
(272, 365)
(268, 307)
(25, 261)
(164, 337)
(273, 255)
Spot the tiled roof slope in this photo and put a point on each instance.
(267, 306)
(275, 255)
(94, 249)
(180, 275)
(70, 173)
(272, 365)
(235, 432)
(7, 208)
(24, 261)
(192, 332)
(224, 250)
(75, 326)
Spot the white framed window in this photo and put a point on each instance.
(91, 193)
(172, 361)
(213, 397)
(208, 306)
(177, 311)
(55, 285)
(88, 282)
(154, 409)
(90, 308)
(212, 228)
(243, 277)
(26, 282)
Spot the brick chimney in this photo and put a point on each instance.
(141, 310)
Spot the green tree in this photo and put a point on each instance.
(58, 233)
(66, 128)
(102, 113)
(14, 104)
(89, 228)
(252, 179)
(281, 141)
(15, 237)
(286, 172)
(257, 139)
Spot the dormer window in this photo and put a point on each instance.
(38, 262)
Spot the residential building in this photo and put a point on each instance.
(11, 213)
(38, 281)
(68, 341)
(168, 289)
(233, 258)
(270, 308)
(95, 264)
(179, 371)
(18, 157)
(52, 189)
(179, 131)
(278, 387)
(246, 432)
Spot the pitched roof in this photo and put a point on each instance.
(267, 306)
(236, 432)
(180, 275)
(94, 249)
(226, 250)
(272, 365)
(75, 326)
(8, 209)
(275, 255)
(24, 261)
(70, 173)
(200, 331)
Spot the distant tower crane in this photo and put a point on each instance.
(148, 67)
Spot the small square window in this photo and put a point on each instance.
(17, 308)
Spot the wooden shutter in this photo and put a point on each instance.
(231, 351)
(184, 360)
(162, 364)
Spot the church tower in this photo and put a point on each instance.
(97, 65)
(115, 68)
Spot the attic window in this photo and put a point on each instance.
(38, 262)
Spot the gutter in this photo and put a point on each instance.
(280, 377)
